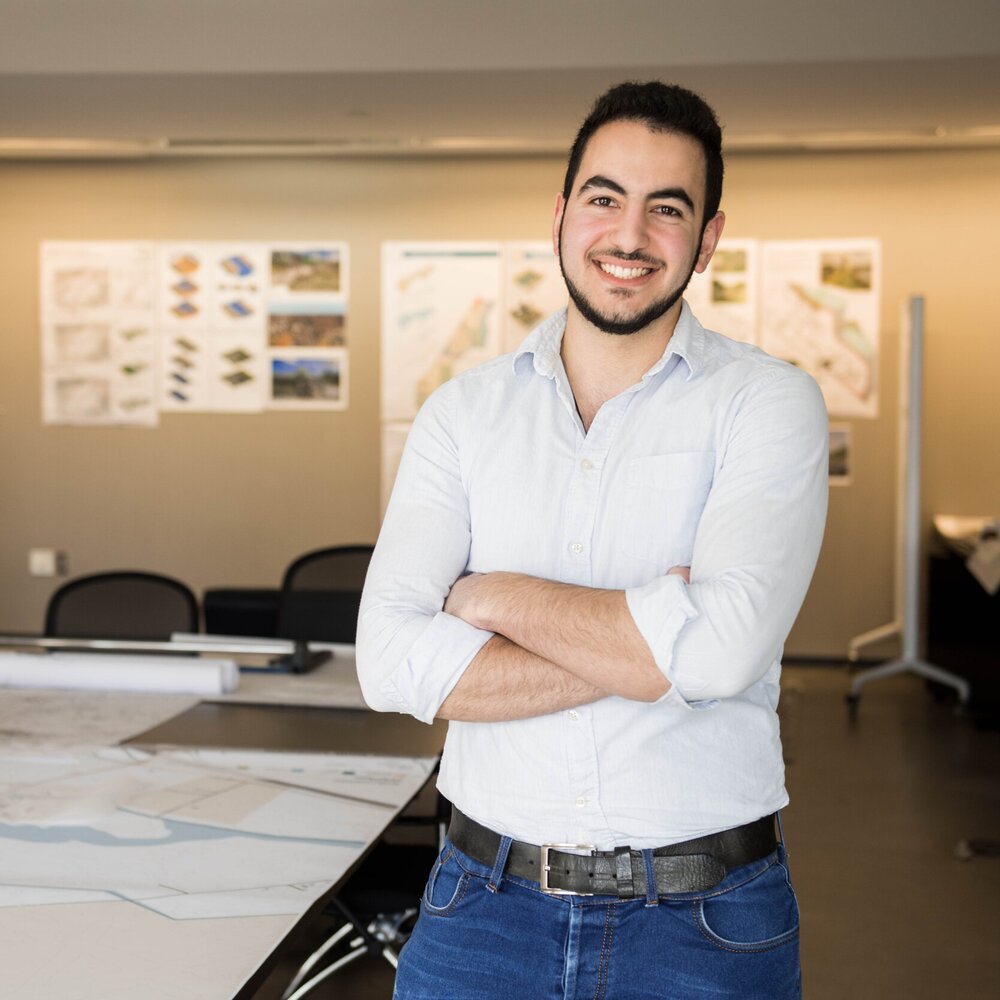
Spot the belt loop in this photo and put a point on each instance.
(781, 833)
(496, 876)
(623, 873)
(652, 896)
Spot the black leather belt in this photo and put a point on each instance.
(691, 866)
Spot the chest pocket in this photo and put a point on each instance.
(663, 504)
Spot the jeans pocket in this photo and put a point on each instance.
(755, 915)
(447, 884)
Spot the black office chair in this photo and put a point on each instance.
(121, 605)
(321, 593)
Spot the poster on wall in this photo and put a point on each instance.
(820, 311)
(308, 379)
(533, 288)
(98, 318)
(724, 295)
(211, 304)
(307, 326)
(235, 362)
(440, 317)
(133, 329)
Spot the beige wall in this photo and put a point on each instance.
(229, 499)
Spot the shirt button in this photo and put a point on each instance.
(574, 715)
(586, 465)
(580, 802)
(576, 548)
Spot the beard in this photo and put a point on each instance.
(619, 324)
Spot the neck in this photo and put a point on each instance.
(600, 365)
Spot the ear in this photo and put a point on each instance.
(557, 222)
(709, 241)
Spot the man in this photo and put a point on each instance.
(593, 554)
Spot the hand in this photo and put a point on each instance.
(683, 571)
(460, 601)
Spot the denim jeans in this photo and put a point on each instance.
(484, 935)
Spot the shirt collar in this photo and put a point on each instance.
(544, 342)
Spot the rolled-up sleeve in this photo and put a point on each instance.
(410, 653)
(755, 547)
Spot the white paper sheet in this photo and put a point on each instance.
(189, 833)
(74, 718)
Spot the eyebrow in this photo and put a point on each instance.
(674, 193)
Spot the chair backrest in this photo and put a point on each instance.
(321, 593)
(121, 605)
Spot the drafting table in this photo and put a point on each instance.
(163, 936)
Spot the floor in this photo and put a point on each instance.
(879, 804)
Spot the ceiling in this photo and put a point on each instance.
(419, 77)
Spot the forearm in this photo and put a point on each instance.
(589, 633)
(506, 682)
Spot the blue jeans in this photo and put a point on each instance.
(491, 937)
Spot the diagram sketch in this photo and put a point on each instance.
(99, 358)
(820, 311)
(439, 317)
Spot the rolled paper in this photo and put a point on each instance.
(118, 672)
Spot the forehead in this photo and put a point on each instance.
(641, 160)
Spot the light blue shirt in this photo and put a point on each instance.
(717, 460)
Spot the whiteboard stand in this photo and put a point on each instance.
(907, 584)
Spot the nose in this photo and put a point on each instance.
(630, 234)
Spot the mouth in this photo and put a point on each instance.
(625, 273)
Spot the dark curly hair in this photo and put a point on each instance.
(662, 107)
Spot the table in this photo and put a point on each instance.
(193, 775)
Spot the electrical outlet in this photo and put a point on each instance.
(47, 562)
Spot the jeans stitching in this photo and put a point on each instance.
(457, 896)
(751, 947)
(605, 959)
(734, 947)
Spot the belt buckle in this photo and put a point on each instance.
(544, 868)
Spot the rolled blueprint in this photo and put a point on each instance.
(114, 672)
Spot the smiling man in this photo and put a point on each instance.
(592, 556)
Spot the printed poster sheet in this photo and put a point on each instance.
(99, 349)
(307, 326)
(440, 316)
(724, 295)
(132, 329)
(533, 288)
(820, 311)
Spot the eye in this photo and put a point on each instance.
(668, 210)
(602, 201)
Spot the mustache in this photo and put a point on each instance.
(631, 258)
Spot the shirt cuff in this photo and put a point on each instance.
(434, 664)
(660, 609)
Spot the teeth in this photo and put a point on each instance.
(625, 272)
